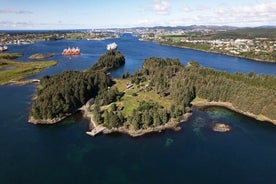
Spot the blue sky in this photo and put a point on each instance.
(94, 14)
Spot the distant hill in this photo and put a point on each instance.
(267, 27)
(191, 27)
(249, 33)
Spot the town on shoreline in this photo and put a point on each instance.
(251, 43)
(258, 44)
(29, 37)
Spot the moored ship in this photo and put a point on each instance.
(111, 46)
(71, 51)
(3, 48)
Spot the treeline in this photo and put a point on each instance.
(62, 94)
(170, 79)
(148, 114)
(247, 92)
(248, 33)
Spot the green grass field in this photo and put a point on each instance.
(12, 70)
(10, 55)
(131, 102)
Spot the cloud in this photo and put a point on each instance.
(262, 13)
(15, 25)
(161, 7)
(10, 11)
(35, 25)
(186, 9)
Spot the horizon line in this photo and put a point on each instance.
(67, 29)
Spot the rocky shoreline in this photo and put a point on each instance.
(230, 106)
(46, 121)
(172, 124)
(221, 127)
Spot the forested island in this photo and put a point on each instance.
(157, 97)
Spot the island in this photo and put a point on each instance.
(159, 96)
(14, 71)
(41, 56)
(221, 127)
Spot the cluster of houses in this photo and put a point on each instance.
(238, 46)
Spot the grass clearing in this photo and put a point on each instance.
(131, 102)
(20, 70)
(10, 55)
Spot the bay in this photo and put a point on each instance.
(63, 153)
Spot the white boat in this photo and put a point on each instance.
(111, 46)
(3, 48)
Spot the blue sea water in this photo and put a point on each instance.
(63, 153)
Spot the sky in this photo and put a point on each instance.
(97, 14)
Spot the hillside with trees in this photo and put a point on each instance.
(164, 89)
(160, 93)
(62, 94)
(110, 60)
(247, 92)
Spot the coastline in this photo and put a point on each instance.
(46, 121)
(214, 52)
(228, 105)
(41, 56)
(94, 129)
(24, 82)
(172, 124)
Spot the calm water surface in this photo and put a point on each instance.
(63, 153)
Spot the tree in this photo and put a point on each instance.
(156, 119)
(135, 119)
(113, 107)
(163, 116)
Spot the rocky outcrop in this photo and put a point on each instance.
(221, 127)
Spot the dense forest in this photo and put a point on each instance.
(110, 60)
(247, 92)
(175, 85)
(182, 84)
(62, 94)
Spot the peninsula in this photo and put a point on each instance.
(13, 71)
(61, 95)
(160, 96)
(157, 97)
